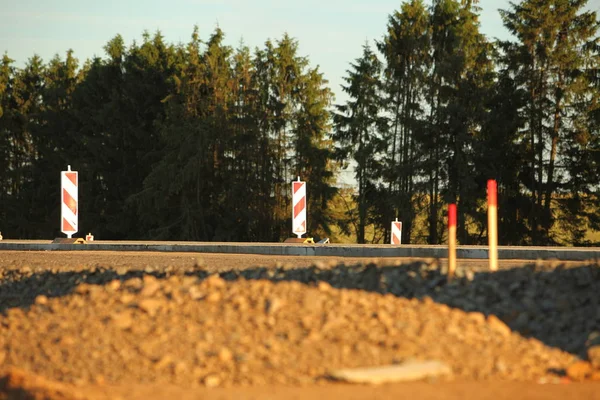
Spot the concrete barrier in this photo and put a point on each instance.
(333, 250)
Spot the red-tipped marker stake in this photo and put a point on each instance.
(492, 190)
(451, 240)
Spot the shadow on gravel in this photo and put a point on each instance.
(559, 306)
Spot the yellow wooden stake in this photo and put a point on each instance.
(493, 224)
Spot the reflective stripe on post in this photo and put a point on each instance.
(299, 207)
(69, 210)
(396, 237)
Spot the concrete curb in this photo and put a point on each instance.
(332, 250)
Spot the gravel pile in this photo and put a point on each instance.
(294, 325)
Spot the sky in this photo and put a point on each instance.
(330, 33)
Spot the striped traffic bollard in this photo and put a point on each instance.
(299, 207)
(451, 240)
(492, 190)
(69, 203)
(396, 237)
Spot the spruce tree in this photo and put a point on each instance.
(359, 130)
(406, 48)
(551, 60)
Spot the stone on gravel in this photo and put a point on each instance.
(272, 305)
(579, 371)
(477, 317)
(122, 320)
(593, 354)
(212, 381)
(408, 371)
(20, 384)
(498, 325)
(214, 281)
(594, 337)
(151, 286)
(225, 355)
(595, 376)
(213, 297)
(150, 306)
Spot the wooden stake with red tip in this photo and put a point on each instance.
(451, 240)
(492, 190)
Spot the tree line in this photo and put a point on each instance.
(200, 141)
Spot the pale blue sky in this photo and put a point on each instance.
(330, 33)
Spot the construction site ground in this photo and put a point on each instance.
(152, 325)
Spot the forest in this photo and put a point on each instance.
(201, 141)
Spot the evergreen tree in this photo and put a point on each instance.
(119, 108)
(461, 76)
(20, 119)
(312, 143)
(501, 156)
(359, 130)
(179, 186)
(55, 144)
(7, 73)
(550, 60)
(406, 48)
(251, 177)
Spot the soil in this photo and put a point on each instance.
(98, 325)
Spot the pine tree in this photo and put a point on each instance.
(21, 119)
(462, 74)
(359, 127)
(56, 144)
(119, 108)
(250, 178)
(311, 148)
(550, 60)
(7, 74)
(180, 185)
(406, 48)
(501, 156)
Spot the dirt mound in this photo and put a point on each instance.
(160, 321)
(192, 330)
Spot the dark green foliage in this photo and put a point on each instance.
(554, 62)
(200, 141)
(189, 142)
(359, 129)
(462, 110)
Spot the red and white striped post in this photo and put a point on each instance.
(69, 202)
(396, 237)
(492, 192)
(299, 207)
(451, 240)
